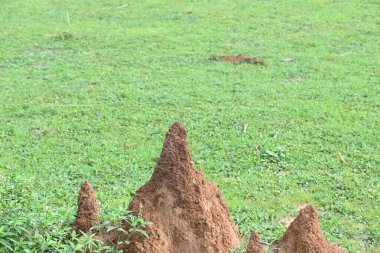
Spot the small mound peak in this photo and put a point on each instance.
(175, 156)
(88, 209)
(254, 245)
(177, 129)
(307, 217)
(86, 186)
(304, 235)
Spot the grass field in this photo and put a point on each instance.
(88, 90)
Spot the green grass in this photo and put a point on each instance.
(92, 99)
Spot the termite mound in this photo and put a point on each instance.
(187, 212)
(88, 209)
(304, 235)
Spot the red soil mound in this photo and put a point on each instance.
(237, 59)
(187, 212)
(254, 245)
(304, 235)
(88, 210)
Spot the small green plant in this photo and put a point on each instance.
(20, 235)
(276, 155)
(124, 227)
(88, 243)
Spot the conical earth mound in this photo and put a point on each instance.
(304, 235)
(187, 212)
(88, 209)
(254, 245)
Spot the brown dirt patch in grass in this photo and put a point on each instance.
(238, 59)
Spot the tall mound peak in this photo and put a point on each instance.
(175, 158)
(187, 211)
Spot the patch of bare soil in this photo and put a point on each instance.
(187, 212)
(304, 235)
(88, 209)
(238, 59)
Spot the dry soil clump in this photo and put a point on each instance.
(187, 211)
(88, 209)
(304, 235)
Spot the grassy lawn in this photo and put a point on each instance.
(88, 90)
